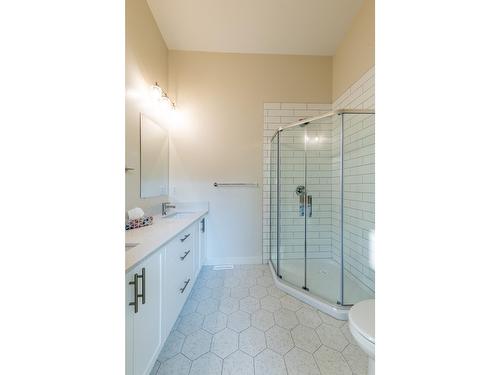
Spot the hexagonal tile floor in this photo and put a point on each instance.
(237, 322)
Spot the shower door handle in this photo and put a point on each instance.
(301, 193)
(310, 205)
(302, 204)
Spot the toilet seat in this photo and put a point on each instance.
(362, 325)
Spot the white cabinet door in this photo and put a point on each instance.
(146, 322)
(129, 324)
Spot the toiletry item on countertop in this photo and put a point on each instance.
(137, 223)
(136, 219)
(135, 213)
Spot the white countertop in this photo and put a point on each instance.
(152, 237)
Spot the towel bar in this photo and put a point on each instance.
(235, 184)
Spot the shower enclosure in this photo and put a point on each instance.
(322, 209)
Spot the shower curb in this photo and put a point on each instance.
(336, 311)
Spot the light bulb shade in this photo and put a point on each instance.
(165, 99)
(158, 94)
(156, 91)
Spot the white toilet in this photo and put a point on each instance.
(362, 326)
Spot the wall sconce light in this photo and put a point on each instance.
(161, 95)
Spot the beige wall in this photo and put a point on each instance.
(356, 53)
(146, 61)
(219, 135)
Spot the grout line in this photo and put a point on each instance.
(346, 361)
(314, 357)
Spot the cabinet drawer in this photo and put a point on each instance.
(182, 249)
(179, 256)
(185, 239)
(179, 277)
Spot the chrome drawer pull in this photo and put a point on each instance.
(185, 285)
(143, 277)
(185, 237)
(185, 254)
(136, 294)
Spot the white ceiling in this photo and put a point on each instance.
(301, 27)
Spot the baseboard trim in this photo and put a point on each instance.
(234, 260)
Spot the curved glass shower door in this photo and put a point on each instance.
(322, 205)
(292, 206)
(308, 207)
(323, 219)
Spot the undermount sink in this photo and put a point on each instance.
(130, 245)
(179, 215)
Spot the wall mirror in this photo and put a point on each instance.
(154, 158)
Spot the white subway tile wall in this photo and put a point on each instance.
(359, 179)
(323, 241)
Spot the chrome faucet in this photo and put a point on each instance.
(165, 206)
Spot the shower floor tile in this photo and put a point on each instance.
(227, 338)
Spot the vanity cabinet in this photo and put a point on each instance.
(160, 284)
(143, 314)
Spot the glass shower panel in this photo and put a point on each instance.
(323, 201)
(292, 206)
(273, 204)
(358, 206)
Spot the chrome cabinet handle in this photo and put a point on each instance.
(185, 237)
(136, 295)
(185, 285)
(142, 276)
(185, 254)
